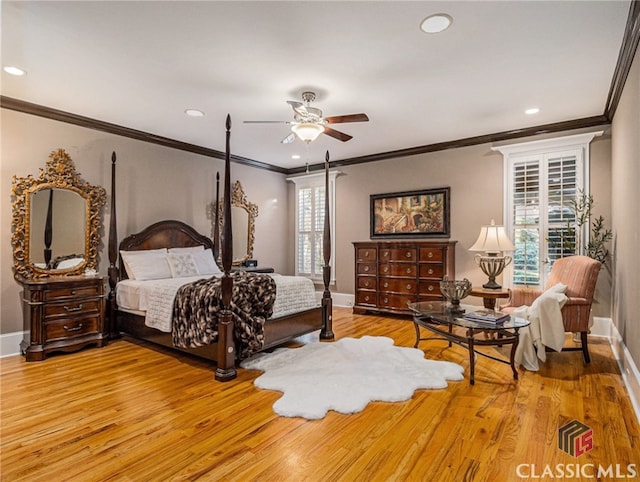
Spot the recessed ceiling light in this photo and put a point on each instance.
(194, 113)
(438, 22)
(295, 156)
(10, 69)
(533, 110)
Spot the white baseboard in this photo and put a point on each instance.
(343, 300)
(10, 343)
(628, 368)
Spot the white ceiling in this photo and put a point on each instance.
(141, 64)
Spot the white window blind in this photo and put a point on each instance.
(310, 214)
(542, 179)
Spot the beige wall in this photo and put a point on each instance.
(153, 183)
(625, 201)
(475, 176)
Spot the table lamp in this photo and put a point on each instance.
(493, 241)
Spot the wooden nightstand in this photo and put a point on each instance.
(489, 297)
(62, 314)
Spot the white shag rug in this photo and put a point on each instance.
(346, 375)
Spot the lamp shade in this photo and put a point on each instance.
(492, 239)
(307, 131)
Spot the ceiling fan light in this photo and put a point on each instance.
(307, 131)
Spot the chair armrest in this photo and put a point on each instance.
(520, 296)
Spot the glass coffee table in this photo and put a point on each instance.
(438, 318)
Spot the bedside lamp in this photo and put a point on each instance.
(493, 241)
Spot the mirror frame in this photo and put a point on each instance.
(59, 173)
(239, 200)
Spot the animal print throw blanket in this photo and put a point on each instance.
(197, 306)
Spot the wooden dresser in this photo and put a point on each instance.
(62, 314)
(391, 273)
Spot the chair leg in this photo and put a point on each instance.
(585, 348)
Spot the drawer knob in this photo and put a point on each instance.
(386, 269)
(386, 300)
(386, 285)
(386, 254)
(77, 328)
(430, 288)
(366, 283)
(409, 270)
(408, 254)
(366, 268)
(366, 254)
(430, 271)
(73, 292)
(71, 310)
(430, 255)
(366, 298)
(408, 286)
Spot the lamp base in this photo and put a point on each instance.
(491, 285)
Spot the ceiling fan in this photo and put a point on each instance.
(308, 122)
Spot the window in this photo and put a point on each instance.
(310, 213)
(543, 179)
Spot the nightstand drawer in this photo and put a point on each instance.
(72, 308)
(64, 329)
(72, 292)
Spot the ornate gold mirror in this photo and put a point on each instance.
(243, 215)
(56, 221)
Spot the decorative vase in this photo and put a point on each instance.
(454, 291)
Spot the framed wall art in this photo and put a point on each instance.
(411, 214)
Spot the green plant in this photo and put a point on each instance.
(570, 242)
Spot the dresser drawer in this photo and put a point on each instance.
(72, 308)
(366, 254)
(404, 270)
(369, 298)
(72, 292)
(396, 285)
(367, 283)
(431, 270)
(366, 268)
(395, 302)
(429, 288)
(431, 254)
(397, 254)
(64, 329)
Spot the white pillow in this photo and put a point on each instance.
(146, 264)
(189, 249)
(205, 262)
(182, 265)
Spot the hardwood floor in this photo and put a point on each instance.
(128, 412)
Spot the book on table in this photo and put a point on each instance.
(487, 316)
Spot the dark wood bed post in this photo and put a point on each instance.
(226, 369)
(48, 230)
(216, 220)
(111, 330)
(327, 304)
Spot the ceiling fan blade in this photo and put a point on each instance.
(289, 139)
(266, 122)
(298, 107)
(339, 119)
(341, 136)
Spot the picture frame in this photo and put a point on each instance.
(424, 213)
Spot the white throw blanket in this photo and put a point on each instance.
(546, 328)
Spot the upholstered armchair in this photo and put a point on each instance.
(580, 274)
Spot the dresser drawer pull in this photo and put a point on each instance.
(386, 300)
(430, 255)
(366, 268)
(430, 271)
(366, 298)
(408, 254)
(71, 310)
(430, 288)
(366, 254)
(386, 254)
(386, 269)
(408, 286)
(386, 285)
(77, 328)
(408, 270)
(367, 283)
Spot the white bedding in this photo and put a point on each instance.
(155, 297)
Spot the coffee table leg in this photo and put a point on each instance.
(513, 354)
(472, 359)
(415, 325)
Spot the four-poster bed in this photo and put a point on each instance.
(172, 234)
